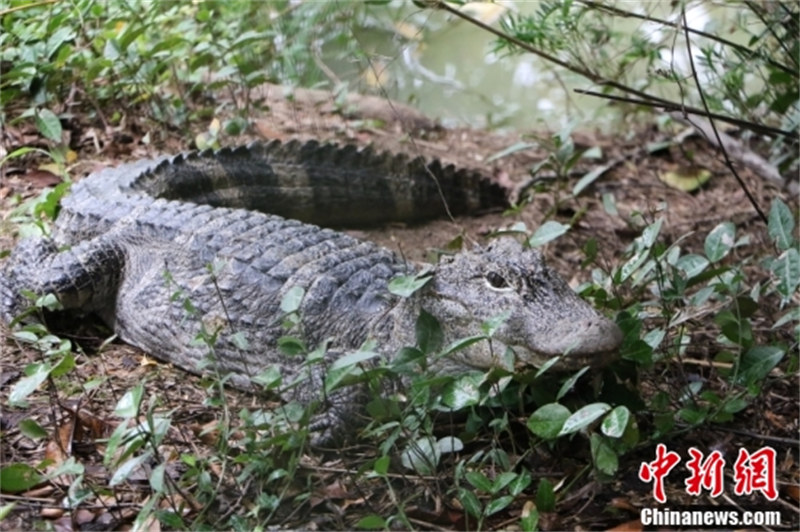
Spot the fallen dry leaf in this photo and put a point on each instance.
(41, 178)
(84, 516)
(51, 513)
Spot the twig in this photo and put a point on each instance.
(750, 53)
(770, 27)
(744, 124)
(728, 161)
(14, 9)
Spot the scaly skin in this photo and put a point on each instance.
(136, 260)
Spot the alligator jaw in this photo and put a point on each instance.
(593, 342)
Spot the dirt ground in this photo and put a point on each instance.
(75, 417)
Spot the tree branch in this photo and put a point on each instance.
(728, 161)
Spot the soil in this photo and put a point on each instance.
(78, 415)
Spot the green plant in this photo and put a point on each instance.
(109, 58)
(687, 287)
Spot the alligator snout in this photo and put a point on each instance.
(593, 341)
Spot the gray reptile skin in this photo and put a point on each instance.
(134, 243)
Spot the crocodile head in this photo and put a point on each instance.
(544, 318)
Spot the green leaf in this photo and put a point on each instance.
(792, 315)
(603, 456)
(490, 326)
(421, 456)
(734, 405)
(529, 521)
(128, 405)
(25, 336)
(650, 233)
(69, 467)
(111, 50)
(502, 480)
(270, 378)
(787, 269)
(48, 124)
(545, 496)
(479, 481)
(693, 415)
(470, 502)
(614, 423)
(351, 359)
(5, 510)
(157, 478)
(609, 204)
(18, 477)
(583, 418)
(132, 31)
(19, 152)
(381, 465)
(239, 340)
(291, 346)
(520, 482)
(371, 522)
(548, 420)
(642, 245)
(64, 366)
(458, 345)
(342, 376)
(32, 429)
(28, 384)
(590, 250)
(548, 231)
(590, 178)
(546, 366)
(168, 519)
(292, 300)
(463, 391)
(405, 285)
(758, 361)
(781, 224)
(720, 241)
(497, 504)
(569, 383)
(514, 148)
(125, 470)
(449, 444)
(277, 474)
(738, 332)
(692, 264)
(429, 332)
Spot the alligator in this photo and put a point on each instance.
(213, 242)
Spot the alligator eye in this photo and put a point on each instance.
(497, 281)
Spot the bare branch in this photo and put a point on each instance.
(689, 110)
(721, 145)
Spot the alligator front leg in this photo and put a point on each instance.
(336, 415)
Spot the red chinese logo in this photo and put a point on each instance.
(755, 472)
(706, 474)
(658, 469)
(751, 472)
